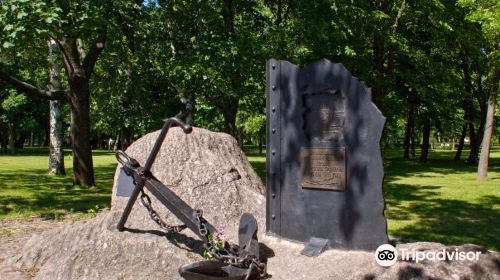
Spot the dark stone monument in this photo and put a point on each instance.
(324, 171)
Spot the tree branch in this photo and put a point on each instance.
(392, 47)
(93, 54)
(70, 69)
(31, 89)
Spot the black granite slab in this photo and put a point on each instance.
(324, 166)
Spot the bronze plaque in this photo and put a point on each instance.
(322, 168)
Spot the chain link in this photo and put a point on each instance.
(146, 202)
(230, 255)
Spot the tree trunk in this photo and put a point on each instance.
(425, 141)
(409, 128)
(125, 137)
(230, 104)
(78, 72)
(469, 107)
(30, 141)
(474, 145)
(461, 142)
(56, 154)
(46, 138)
(413, 144)
(482, 99)
(482, 168)
(40, 139)
(408, 133)
(99, 141)
(378, 68)
(116, 146)
(19, 143)
(228, 17)
(12, 138)
(261, 135)
(4, 137)
(83, 171)
(229, 112)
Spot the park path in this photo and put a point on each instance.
(14, 233)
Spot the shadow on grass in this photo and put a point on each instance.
(257, 160)
(443, 220)
(428, 215)
(260, 168)
(440, 162)
(33, 191)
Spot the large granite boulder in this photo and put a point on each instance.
(206, 169)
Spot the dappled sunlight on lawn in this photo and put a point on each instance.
(442, 200)
(27, 189)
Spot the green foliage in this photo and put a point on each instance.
(12, 106)
(487, 13)
(255, 124)
(214, 53)
(218, 245)
(25, 114)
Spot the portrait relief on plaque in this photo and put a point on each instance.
(324, 116)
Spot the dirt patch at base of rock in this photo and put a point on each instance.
(14, 233)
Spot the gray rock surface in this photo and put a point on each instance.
(95, 250)
(206, 169)
(210, 172)
(338, 264)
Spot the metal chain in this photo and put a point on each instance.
(145, 199)
(146, 202)
(229, 255)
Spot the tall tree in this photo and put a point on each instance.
(56, 153)
(486, 13)
(67, 23)
(482, 169)
(424, 154)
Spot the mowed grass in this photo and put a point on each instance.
(26, 188)
(442, 200)
(436, 201)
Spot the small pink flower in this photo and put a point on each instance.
(219, 233)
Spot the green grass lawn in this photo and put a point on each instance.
(26, 188)
(436, 201)
(442, 201)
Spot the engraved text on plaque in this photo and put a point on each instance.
(323, 168)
